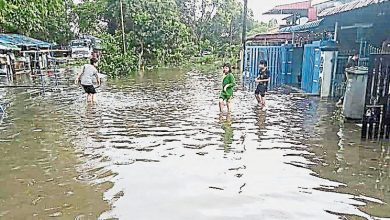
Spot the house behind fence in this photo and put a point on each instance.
(314, 46)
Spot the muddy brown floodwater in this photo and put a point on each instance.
(156, 147)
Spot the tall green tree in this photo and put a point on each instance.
(44, 19)
(153, 29)
(89, 16)
(215, 23)
(158, 32)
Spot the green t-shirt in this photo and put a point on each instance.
(231, 82)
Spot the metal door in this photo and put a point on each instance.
(311, 68)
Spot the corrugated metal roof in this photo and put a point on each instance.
(21, 40)
(317, 2)
(288, 17)
(302, 27)
(8, 47)
(349, 6)
(271, 37)
(296, 5)
(289, 8)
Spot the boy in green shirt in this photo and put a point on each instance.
(228, 84)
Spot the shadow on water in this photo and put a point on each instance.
(158, 148)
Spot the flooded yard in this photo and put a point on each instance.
(156, 147)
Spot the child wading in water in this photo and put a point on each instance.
(262, 80)
(85, 78)
(228, 84)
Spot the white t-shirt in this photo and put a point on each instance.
(89, 73)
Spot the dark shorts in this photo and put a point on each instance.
(225, 97)
(89, 89)
(261, 90)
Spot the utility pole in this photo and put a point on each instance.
(123, 28)
(244, 22)
(336, 31)
(245, 14)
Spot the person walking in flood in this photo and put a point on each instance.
(85, 78)
(262, 79)
(228, 84)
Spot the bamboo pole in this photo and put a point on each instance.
(123, 28)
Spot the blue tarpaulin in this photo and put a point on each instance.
(8, 47)
(21, 40)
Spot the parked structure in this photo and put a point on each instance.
(33, 53)
(7, 59)
(24, 42)
(85, 47)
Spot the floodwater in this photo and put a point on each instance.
(156, 147)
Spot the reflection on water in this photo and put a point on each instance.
(38, 166)
(226, 121)
(158, 142)
(260, 122)
(362, 165)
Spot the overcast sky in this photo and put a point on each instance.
(260, 6)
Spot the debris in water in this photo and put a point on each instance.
(35, 201)
(147, 160)
(57, 214)
(201, 153)
(242, 188)
(213, 187)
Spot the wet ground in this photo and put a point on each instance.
(156, 147)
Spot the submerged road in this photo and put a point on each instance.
(156, 147)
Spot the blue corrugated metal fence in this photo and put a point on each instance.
(279, 64)
(287, 67)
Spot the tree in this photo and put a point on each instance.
(89, 16)
(159, 35)
(257, 28)
(158, 32)
(43, 19)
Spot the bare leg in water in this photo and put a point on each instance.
(229, 105)
(88, 100)
(93, 101)
(263, 100)
(221, 105)
(259, 100)
(91, 98)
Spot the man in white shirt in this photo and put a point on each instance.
(85, 78)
